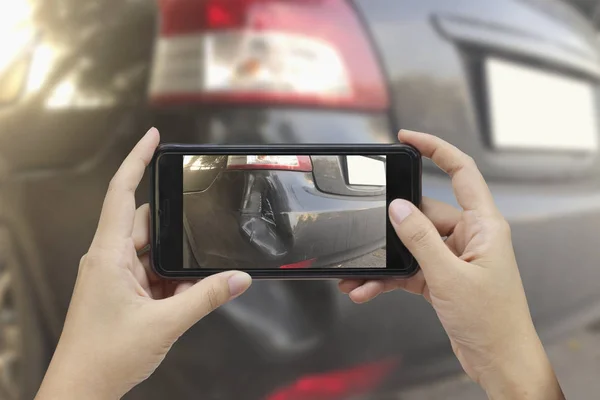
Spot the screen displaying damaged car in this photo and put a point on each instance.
(282, 211)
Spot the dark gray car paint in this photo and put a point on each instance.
(447, 101)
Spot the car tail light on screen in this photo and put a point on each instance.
(292, 52)
(299, 264)
(289, 163)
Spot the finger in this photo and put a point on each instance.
(443, 216)
(367, 292)
(470, 189)
(150, 274)
(147, 278)
(415, 285)
(183, 286)
(116, 219)
(140, 275)
(420, 237)
(191, 305)
(141, 227)
(348, 285)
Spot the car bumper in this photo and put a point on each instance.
(270, 219)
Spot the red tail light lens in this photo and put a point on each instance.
(304, 52)
(289, 163)
(337, 385)
(301, 264)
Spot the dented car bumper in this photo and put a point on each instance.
(248, 218)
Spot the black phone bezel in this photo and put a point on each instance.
(160, 215)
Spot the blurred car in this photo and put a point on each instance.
(511, 82)
(282, 211)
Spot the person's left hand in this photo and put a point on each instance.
(123, 320)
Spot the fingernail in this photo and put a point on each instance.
(411, 132)
(238, 283)
(399, 210)
(403, 133)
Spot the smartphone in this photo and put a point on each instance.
(281, 212)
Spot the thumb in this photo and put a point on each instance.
(420, 237)
(194, 303)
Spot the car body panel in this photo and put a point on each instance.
(448, 101)
(270, 219)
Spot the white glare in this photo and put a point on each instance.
(40, 67)
(63, 95)
(15, 29)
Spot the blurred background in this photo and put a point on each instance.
(514, 83)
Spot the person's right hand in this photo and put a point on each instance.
(471, 278)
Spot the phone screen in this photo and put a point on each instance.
(282, 211)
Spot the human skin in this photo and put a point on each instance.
(471, 279)
(123, 319)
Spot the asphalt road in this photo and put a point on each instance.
(576, 361)
(374, 259)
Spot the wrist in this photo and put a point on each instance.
(523, 372)
(68, 378)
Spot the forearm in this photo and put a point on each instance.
(63, 389)
(526, 374)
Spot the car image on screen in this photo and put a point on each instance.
(283, 211)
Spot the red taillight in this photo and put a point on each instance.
(337, 385)
(288, 163)
(304, 52)
(220, 16)
(300, 264)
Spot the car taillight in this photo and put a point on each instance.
(337, 385)
(290, 163)
(300, 264)
(303, 52)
